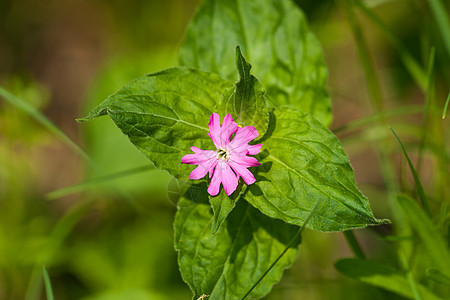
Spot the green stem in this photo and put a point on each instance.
(354, 245)
(409, 276)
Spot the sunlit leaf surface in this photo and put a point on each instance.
(274, 38)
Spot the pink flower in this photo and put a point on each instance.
(229, 161)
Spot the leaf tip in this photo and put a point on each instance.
(82, 120)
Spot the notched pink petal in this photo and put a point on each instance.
(254, 149)
(199, 172)
(229, 179)
(214, 123)
(190, 159)
(214, 186)
(245, 161)
(243, 136)
(243, 172)
(223, 174)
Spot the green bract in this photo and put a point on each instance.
(246, 100)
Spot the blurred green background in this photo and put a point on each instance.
(111, 236)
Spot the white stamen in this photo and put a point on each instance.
(222, 154)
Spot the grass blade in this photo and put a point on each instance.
(48, 284)
(439, 13)
(419, 186)
(379, 116)
(44, 121)
(366, 61)
(382, 276)
(428, 107)
(423, 226)
(413, 67)
(82, 186)
(444, 112)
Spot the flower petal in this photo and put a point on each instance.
(244, 160)
(243, 172)
(223, 174)
(228, 128)
(198, 157)
(203, 168)
(221, 134)
(242, 137)
(229, 179)
(254, 149)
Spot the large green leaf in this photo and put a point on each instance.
(274, 37)
(246, 101)
(383, 276)
(304, 165)
(225, 265)
(166, 113)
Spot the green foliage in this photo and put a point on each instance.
(381, 275)
(246, 101)
(225, 265)
(222, 205)
(303, 164)
(305, 178)
(431, 239)
(274, 37)
(165, 113)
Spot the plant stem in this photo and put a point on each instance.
(354, 245)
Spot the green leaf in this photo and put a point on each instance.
(423, 226)
(304, 165)
(226, 264)
(437, 276)
(382, 276)
(246, 101)
(162, 114)
(274, 37)
(222, 205)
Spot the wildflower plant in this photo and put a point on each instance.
(270, 169)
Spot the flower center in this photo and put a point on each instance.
(222, 154)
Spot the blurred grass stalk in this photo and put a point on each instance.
(440, 15)
(48, 284)
(44, 121)
(374, 89)
(413, 67)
